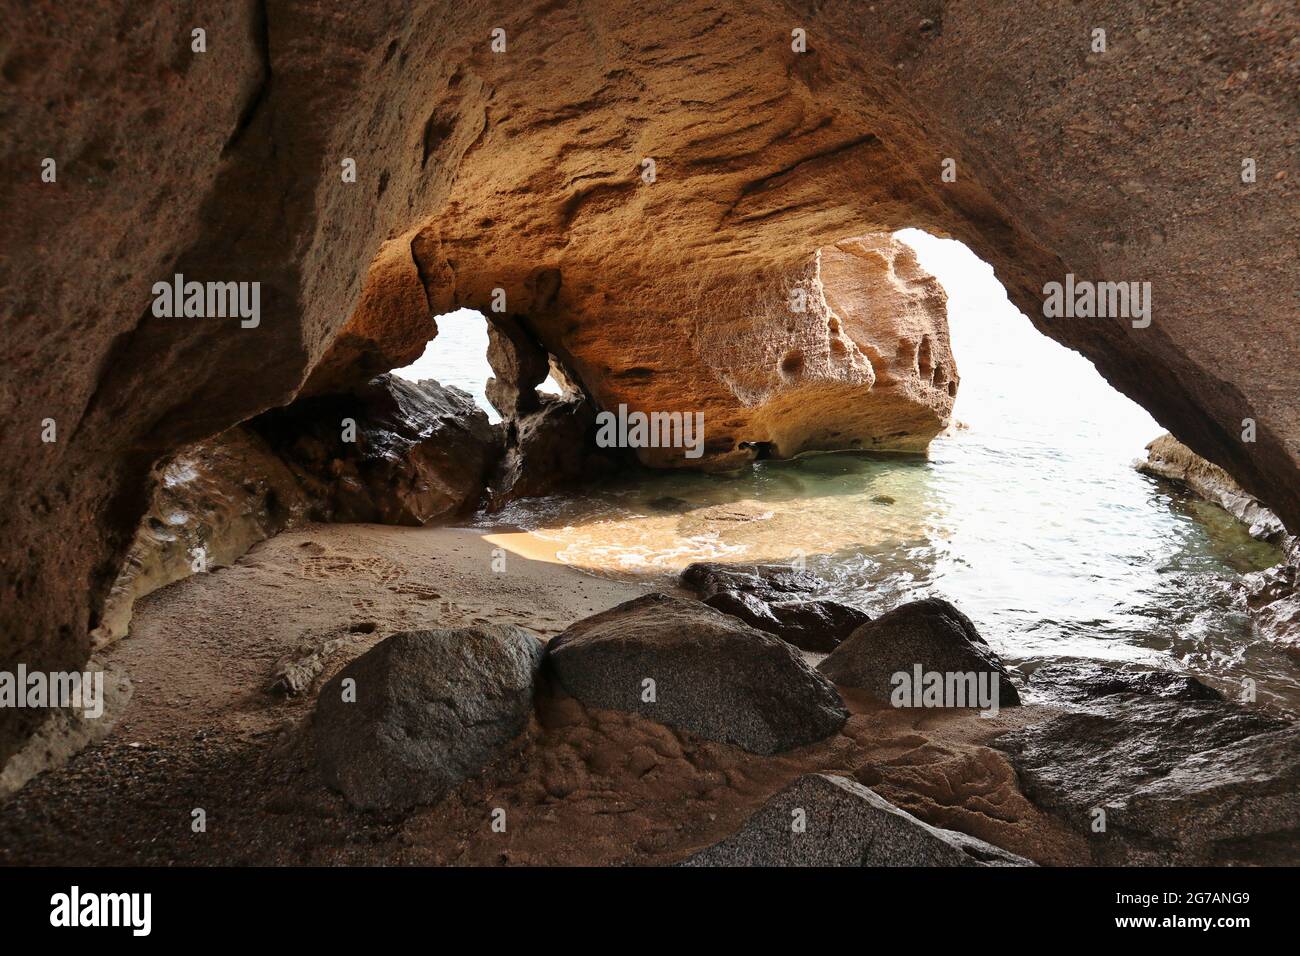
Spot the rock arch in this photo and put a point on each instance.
(480, 171)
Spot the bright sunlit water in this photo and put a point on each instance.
(1030, 516)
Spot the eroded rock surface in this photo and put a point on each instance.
(686, 665)
(430, 709)
(389, 328)
(61, 732)
(931, 634)
(1084, 681)
(1182, 778)
(844, 824)
(212, 502)
(524, 171)
(519, 365)
(777, 599)
(1272, 595)
(1169, 458)
(421, 453)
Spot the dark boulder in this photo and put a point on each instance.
(519, 365)
(390, 451)
(431, 708)
(825, 820)
(683, 664)
(550, 449)
(930, 634)
(1155, 770)
(777, 599)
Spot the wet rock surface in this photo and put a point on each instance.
(431, 708)
(931, 633)
(711, 674)
(548, 450)
(421, 451)
(1273, 598)
(844, 824)
(1272, 595)
(1183, 776)
(1085, 681)
(1170, 459)
(777, 599)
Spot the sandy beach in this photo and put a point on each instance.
(202, 731)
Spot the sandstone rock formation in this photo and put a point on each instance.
(430, 709)
(844, 824)
(524, 171)
(421, 453)
(930, 634)
(1182, 776)
(519, 365)
(1272, 595)
(776, 599)
(686, 665)
(849, 350)
(1169, 458)
(389, 328)
(212, 501)
(59, 733)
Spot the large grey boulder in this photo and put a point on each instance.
(1181, 775)
(778, 599)
(431, 709)
(844, 824)
(931, 634)
(686, 665)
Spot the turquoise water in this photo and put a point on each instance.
(1029, 516)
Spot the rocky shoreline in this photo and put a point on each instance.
(1272, 595)
(741, 719)
(462, 721)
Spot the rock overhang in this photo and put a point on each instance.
(511, 171)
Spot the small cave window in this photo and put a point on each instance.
(458, 356)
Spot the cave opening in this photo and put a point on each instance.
(458, 356)
(1027, 510)
(422, 618)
